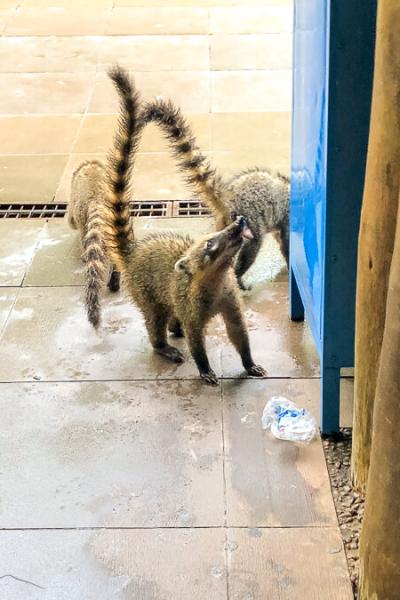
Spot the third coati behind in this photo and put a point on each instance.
(260, 195)
(82, 214)
(178, 284)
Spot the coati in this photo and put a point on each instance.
(178, 284)
(261, 196)
(86, 187)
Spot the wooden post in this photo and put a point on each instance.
(377, 229)
(380, 537)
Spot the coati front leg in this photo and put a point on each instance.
(175, 327)
(156, 319)
(284, 240)
(114, 280)
(238, 335)
(196, 342)
(246, 257)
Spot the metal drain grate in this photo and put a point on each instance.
(189, 208)
(151, 209)
(32, 211)
(145, 208)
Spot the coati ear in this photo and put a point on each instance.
(182, 265)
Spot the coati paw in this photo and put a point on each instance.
(256, 371)
(243, 286)
(171, 353)
(209, 377)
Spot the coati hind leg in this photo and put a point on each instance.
(114, 280)
(175, 327)
(284, 241)
(246, 257)
(196, 342)
(156, 322)
(237, 332)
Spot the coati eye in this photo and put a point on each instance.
(233, 215)
(209, 244)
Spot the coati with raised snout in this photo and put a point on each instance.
(260, 195)
(178, 284)
(86, 187)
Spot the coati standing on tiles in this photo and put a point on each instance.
(261, 196)
(86, 188)
(178, 284)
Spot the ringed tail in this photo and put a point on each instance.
(96, 263)
(118, 232)
(200, 176)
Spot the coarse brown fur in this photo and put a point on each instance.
(86, 188)
(177, 284)
(260, 195)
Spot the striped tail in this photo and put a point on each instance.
(115, 211)
(200, 176)
(96, 262)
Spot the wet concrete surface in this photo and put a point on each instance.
(18, 242)
(182, 494)
(112, 454)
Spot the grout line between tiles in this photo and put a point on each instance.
(172, 528)
(225, 496)
(153, 380)
(10, 311)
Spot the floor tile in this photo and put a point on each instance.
(268, 51)
(5, 16)
(271, 482)
(288, 564)
(18, 240)
(231, 163)
(78, 4)
(268, 132)
(189, 89)
(272, 18)
(165, 52)
(9, 4)
(121, 455)
(48, 54)
(57, 259)
(174, 3)
(141, 20)
(96, 134)
(186, 564)
(33, 134)
(44, 93)
(284, 348)
(251, 91)
(7, 298)
(49, 332)
(58, 20)
(41, 175)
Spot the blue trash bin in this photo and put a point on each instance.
(333, 54)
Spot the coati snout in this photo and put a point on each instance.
(217, 249)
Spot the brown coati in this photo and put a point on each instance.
(260, 195)
(86, 187)
(177, 284)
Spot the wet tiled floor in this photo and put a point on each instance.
(123, 476)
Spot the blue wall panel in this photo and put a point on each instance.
(333, 55)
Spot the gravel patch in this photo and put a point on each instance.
(349, 504)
